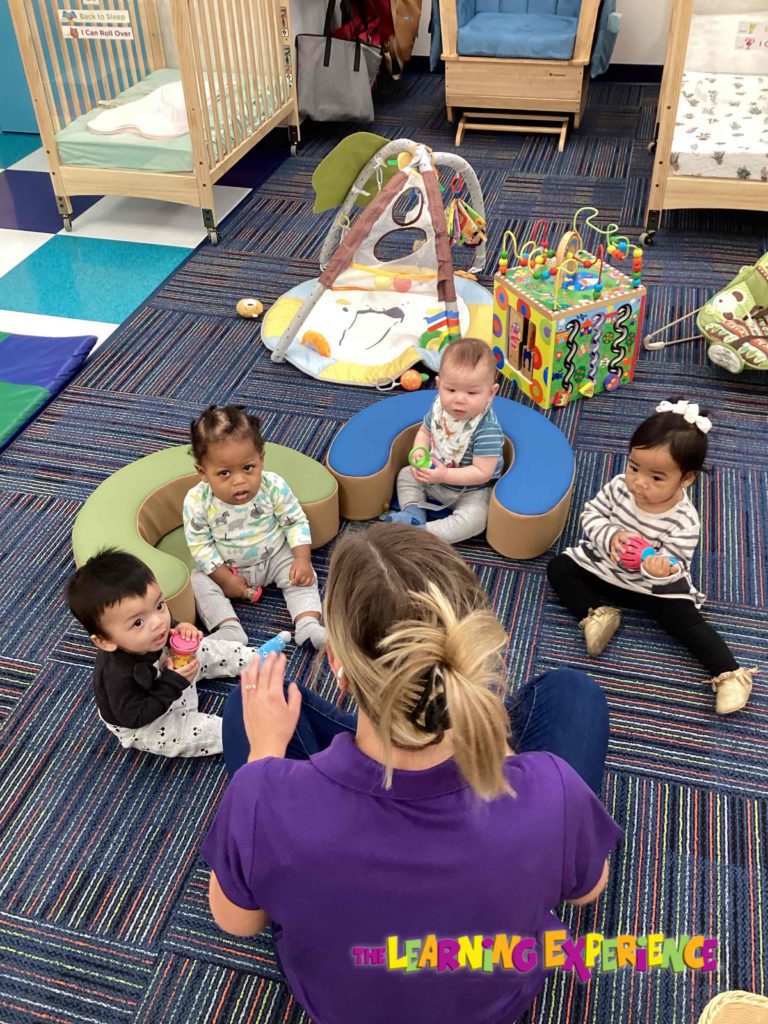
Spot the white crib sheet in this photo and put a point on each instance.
(721, 128)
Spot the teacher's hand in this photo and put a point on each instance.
(270, 720)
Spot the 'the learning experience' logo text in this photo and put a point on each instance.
(591, 952)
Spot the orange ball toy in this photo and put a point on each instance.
(412, 380)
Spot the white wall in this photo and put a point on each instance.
(644, 27)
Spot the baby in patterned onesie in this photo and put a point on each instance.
(141, 698)
(245, 528)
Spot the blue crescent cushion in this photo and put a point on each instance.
(535, 483)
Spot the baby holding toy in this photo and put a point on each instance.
(641, 533)
(144, 679)
(245, 528)
(461, 433)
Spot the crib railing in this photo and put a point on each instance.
(235, 60)
(83, 56)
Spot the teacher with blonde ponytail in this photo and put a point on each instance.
(397, 851)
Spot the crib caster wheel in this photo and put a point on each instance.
(294, 148)
(67, 223)
(652, 147)
(213, 235)
(647, 237)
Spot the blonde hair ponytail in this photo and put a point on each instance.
(421, 650)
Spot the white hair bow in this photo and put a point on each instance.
(689, 411)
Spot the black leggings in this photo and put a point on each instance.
(580, 590)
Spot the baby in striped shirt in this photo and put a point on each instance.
(466, 443)
(650, 500)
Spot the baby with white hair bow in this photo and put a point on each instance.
(641, 532)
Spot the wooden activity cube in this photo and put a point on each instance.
(576, 348)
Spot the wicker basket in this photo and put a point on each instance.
(736, 1008)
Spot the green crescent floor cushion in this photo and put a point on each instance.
(735, 322)
(32, 371)
(139, 509)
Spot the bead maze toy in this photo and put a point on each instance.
(566, 323)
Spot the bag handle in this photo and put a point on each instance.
(329, 17)
(346, 7)
(327, 54)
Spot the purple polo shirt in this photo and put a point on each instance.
(339, 863)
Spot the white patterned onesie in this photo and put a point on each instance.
(149, 707)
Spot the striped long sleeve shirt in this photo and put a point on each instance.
(673, 533)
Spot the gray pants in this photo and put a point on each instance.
(470, 507)
(183, 731)
(214, 606)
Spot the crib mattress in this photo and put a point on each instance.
(721, 128)
(129, 151)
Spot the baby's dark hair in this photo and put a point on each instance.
(687, 444)
(220, 423)
(107, 578)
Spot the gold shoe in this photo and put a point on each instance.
(598, 628)
(736, 1008)
(733, 689)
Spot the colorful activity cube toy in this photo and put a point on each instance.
(566, 324)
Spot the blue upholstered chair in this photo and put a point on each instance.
(529, 56)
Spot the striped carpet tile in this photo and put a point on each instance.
(192, 933)
(695, 864)
(35, 553)
(61, 779)
(55, 975)
(175, 354)
(184, 991)
(15, 677)
(662, 714)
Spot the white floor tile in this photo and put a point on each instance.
(15, 246)
(124, 219)
(53, 326)
(36, 161)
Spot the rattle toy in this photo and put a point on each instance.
(634, 552)
(252, 594)
(276, 645)
(420, 458)
(412, 380)
(182, 650)
(249, 308)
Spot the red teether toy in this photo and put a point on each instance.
(252, 594)
(635, 550)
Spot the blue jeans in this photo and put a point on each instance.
(563, 712)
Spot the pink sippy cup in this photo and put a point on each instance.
(182, 651)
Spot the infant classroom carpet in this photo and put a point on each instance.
(103, 908)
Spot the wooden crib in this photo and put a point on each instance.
(235, 69)
(688, 174)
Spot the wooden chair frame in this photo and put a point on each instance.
(530, 86)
